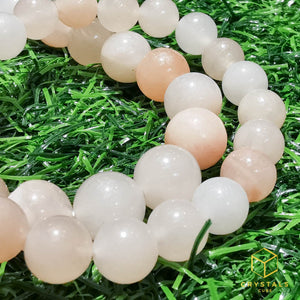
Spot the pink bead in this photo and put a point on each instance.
(3, 189)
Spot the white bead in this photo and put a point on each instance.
(106, 197)
(118, 15)
(121, 54)
(167, 172)
(175, 225)
(241, 78)
(125, 251)
(41, 199)
(58, 249)
(7, 6)
(262, 104)
(195, 31)
(158, 18)
(260, 135)
(12, 36)
(192, 90)
(223, 201)
(60, 37)
(39, 17)
(3, 189)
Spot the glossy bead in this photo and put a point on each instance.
(122, 53)
(125, 251)
(219, 55)
(13, 36)
(76, 13)
(106, 197)
(157, 70)
(58, 249)
(241, 78)
(175, 225)
(86, 43)
(199, 131)
(7, 6)
(254, 171)
(224, 201)
(60, 37)
(192, 90)
(262, 104)
(117, 15)
(13, 230)
(260, 135)
(39, 17)
(194, 32)
(3, 189)
(41, 199)
(167, 172)
(158, 18)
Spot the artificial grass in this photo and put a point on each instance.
(63, 122)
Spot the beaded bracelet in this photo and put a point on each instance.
(106, 220)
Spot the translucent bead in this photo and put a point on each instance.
(158, 18)
(76, 13)
(58, 249)
(157, 70)
(60, 37)
(122, 53)
(13, 230)
(262, 104)
(106, 197)
(125, 251)
(219, 55)
(86, 43)
(241, 78)
(7, 6)
(175, 225)
(41, 199)
(254, 171)
(195, 31)
(192, 90)
(260, 135)
(39, 17)
(3, 189)
(224, 201)
(116, 15)
(13, 36)
(199, 131)
(167, 172)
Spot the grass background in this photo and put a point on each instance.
(63, 122)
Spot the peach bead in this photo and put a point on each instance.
(13, 230)
(219, 55)
(253, 170)
(157, 70)
(7, 6)
(39, 17)
(59, 38)
(76, 13)
(199, 131)
(260, 135)
(3, 189)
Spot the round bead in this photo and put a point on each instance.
(86, 43)
(60, 37)
(262, 104)
(260, 135)
(195, 31)
(13, 230)
(116, 15)
(41, 199)
(157, 70)
(122, 53)
(58, 249)
(224, 201)
(76, 13)
(167, 172)
(199, 131)
(175, 225)
(3, 189)
(39, 17)
(192, 90)
(13, 36)
(219, 55)
(254, 171)
(125, 251)
(241, 78)
(7, 6)
(158, 18)
(106, 197)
